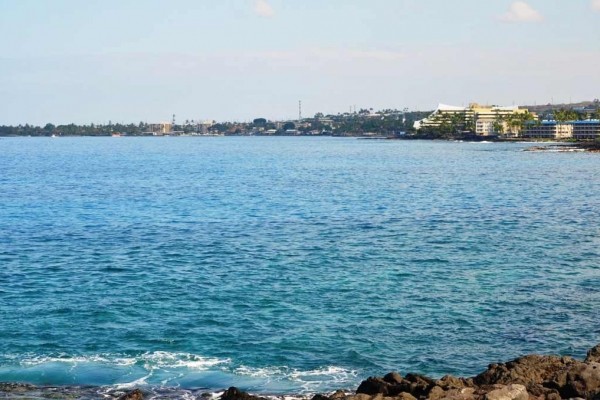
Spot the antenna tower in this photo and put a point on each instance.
(299, 110)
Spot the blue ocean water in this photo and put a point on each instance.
(289, 265)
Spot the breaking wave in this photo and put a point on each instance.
(166, 370)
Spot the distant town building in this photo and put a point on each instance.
(203, 127)
(161, 128)
(302, 124)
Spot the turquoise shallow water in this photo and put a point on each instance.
(286, 265)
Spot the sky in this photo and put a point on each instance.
(95, 61)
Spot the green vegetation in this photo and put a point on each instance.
(518, 122)
(289, 126)
(498, 124)
(564, 115)
(449, 126)
(386, 122)
(75, 130)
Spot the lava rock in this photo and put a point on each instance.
(133, 395)
(451, 382)
(529, 370)
(583, 380)
(405, 396)
(393, 378)
(359, 396)
(417, 385)
(338, 394)
(15, 387)
(234, 393)
(373, 386)
(436, 393)
(593, 354)
(509, 392)
(467, 393)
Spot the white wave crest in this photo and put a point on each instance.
(62, 358)
(309, 380)
(133, 384)
(330, 371)
(166, 369)
(165, 360)
(150, 360)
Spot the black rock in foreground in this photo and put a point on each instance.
(528, 377)
(234, 393)
(531, 377)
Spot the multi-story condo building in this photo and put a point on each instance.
(548, 129)
(580, 130)
(485, 120)
(586, 130)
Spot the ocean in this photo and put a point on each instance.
(289, 264)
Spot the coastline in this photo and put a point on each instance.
(529, 377)
(553, 145)
(565, 147)
(581, 145)
(539, 145)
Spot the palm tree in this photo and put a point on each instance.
(520, 121)
(498, 124)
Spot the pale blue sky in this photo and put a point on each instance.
(129, 61)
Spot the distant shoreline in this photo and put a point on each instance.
(587, 144)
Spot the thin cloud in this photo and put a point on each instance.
(263, 9)
(328, 55)
(377, 55)
(520, 11)
(595, 5)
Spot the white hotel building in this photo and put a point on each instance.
(486, 119)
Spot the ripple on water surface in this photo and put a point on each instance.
(289, 264)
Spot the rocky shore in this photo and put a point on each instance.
(531, 377)
(591, 147)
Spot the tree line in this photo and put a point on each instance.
(385, 122)
(74, 130)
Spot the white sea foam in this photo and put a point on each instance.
(163, 359)
(62, 358)
(332, 371)
(167, 368)
(133, 384)
(150, 360)
(309, 380)
(258, 372)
